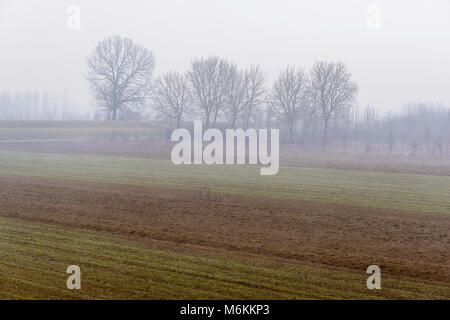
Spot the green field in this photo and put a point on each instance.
(34, 255)
(113, 268)
(407, 192)
(79, 131)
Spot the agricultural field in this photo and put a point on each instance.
(107, 198)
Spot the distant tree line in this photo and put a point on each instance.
(38, 106)
(120, 78)
(316, 106)
(419, 129)
(309, 107)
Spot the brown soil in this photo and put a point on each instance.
(405, 245)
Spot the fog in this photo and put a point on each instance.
(405, 58)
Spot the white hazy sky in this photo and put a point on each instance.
(407, 59)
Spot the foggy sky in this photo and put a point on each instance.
(407, 60)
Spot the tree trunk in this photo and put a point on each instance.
(247, 121)
(207, 121)
(291, 130)
(215, 116)
(325, 132)
(233, 122)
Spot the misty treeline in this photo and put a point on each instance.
(120, 78)
(312, 106)
(36, 105)
(419, 129)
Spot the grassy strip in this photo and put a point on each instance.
(34, 257)
(406, 192)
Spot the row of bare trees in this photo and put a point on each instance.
(120, 78)
(218, 88)
(308, 106)
(213, 87)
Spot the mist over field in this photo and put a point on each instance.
(134, 136)
(406, 60)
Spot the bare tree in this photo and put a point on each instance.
(245, 94)
(119, 75)
(5, 106)
(172, 96)
(288, 96)
(35, 105)
(235, 96)
(332, 91)
(254, 92)
(347, 120)
(210, 78)
(45, 106)
(64, 105)
(370, 119)
(388, 126)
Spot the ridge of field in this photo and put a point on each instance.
(405, 192)
(413, 246)
(34, 258)
(290, 155)
(105, 196)
(150, 139)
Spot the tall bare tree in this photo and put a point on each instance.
(119, 76)
(172, 96)
(210, 78)
(288, 96)
(254, 80)
(332, 91)
(245, 94)
(236, 95)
